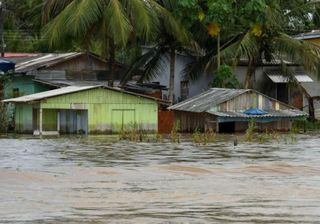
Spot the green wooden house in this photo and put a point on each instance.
(84, 109)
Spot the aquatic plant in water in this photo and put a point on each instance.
(174, 135)
(208, 136)
(250, 131)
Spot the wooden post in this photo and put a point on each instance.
(58, 122)
(217, 126)
(40, 120)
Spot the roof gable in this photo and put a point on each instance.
(69, 90)
(49, 60)
(208, 99)
(205, 101)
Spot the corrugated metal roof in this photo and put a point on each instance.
(264, 62)
(311, 35)
(64, 83)
(289, 113)
(277, 76)
(42, 61)
(73, 89)
(208, 99)
(48, 94)
(312, 88)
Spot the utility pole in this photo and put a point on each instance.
(1, 28)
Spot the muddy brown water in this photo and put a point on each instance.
(90, 180)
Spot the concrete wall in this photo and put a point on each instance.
(203, 83)
(195, 87)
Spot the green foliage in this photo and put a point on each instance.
(174, 134)
(305, 125)
(132, 133)
(224, 78)
(208, 136)
(250, 131)
(159, 138)
(22, 26)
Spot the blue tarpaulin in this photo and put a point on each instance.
(255, 111)
(6, 65)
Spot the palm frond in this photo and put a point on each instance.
(144, 20)
(83, 16)
(199, 66)
(300, 52)
(119, 26)
(171, 24)
(56, 31)
(52, 7)
(150, 62)
(245, 47)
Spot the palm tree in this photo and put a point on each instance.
(111, 22)
(170, 39)
(265, 40)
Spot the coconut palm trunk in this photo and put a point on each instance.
(111, 62)
(249, 80)
(172, 74)
(311, 109)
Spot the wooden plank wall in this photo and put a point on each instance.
(248, 100)
(189, 122)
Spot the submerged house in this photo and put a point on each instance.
(84, 109)
(41, 72)
(269, 77)
(230, 110)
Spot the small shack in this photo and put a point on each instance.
(84, 109)
(230, 110)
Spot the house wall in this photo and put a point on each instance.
(107, 108)
(249, 100)
(190, 122)
(283, 125)
(81, 63)
(195, 87)
(317, 108)
(24, 118)
(26, 86)
(262, 82)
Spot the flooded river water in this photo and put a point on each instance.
(90, 180)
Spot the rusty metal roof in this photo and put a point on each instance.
(208, 99)
(43, 61)
(46, 60)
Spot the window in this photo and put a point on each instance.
(15, 92)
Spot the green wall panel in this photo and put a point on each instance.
(100, 104)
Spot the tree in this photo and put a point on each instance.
(256, 30)
(22, 26)
(169, 40)
(224, 78)
(113, 23)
